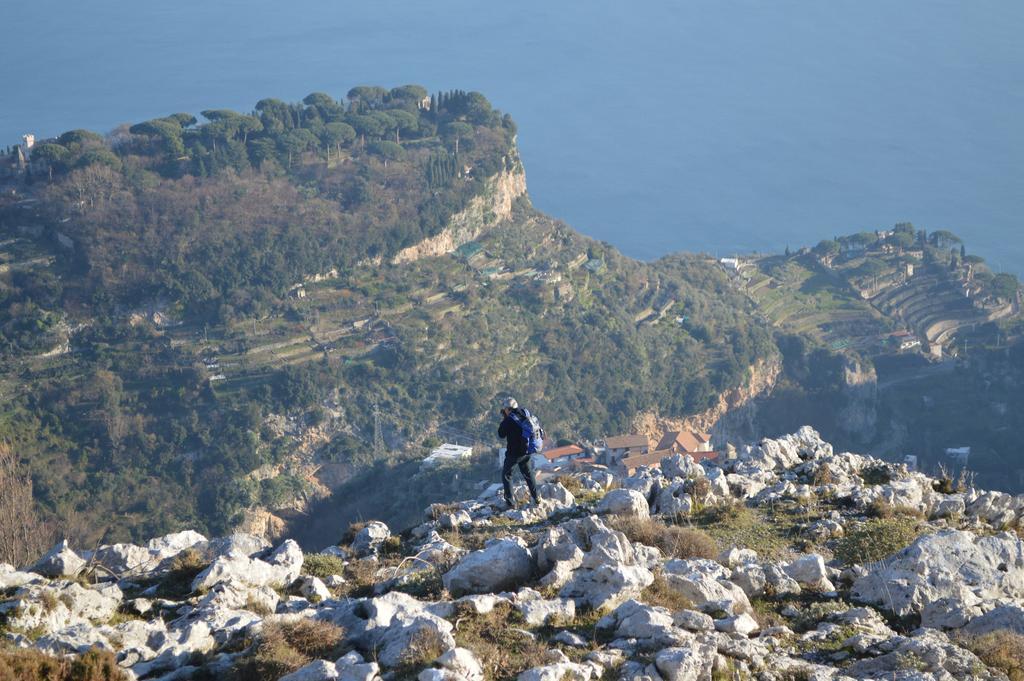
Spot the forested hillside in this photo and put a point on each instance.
(196, 319)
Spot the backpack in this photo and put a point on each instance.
(531, 429)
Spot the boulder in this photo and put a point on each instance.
(173, 544)
(674, 500)
(742, 624)
(369, 539)
(809, 571)
(76, 639)
(627, 502)
(317, 670)
(386, 627)
(239, 596)
(681, 466)
(559, 671)
(948, 564)
(653, 627)
(312, 589)
(1008, 617)
(280, 569)
(557, 493)
(60, 561)
(685, 664)
(610, 573)
(11, 578)
(931, 652)
(540, 611)
(503, 564)
(125, 559)
(463, 662)
(705, 583)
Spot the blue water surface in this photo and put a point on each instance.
(722, 126)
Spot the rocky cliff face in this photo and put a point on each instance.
(858, 417)
(731, 419)
(483, 212)
(789, 561)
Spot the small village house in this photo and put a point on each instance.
(556, 457)
(618, 447)
(684, 442)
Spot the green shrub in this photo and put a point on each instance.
(876, 539)
(322, 565)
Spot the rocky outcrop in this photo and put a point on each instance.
(484, 212)
(559, 580)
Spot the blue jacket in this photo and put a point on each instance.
(512, 432)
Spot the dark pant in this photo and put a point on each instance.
(526, 468)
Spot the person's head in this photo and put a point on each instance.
(509, 405)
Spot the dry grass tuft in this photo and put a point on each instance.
(184, 567)
(1002, 649)
(500, 642)
(880, 508)
(32, 665)
(672, 540)
(285, 647)
(352, 531)
(661, 593)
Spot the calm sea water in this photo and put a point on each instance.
(703, 125)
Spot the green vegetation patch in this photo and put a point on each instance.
(877, 539)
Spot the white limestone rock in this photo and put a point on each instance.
(627, 502)
(463, 662)
(685, 664)
(369, 539)
(60, 561)
(502, 564)
(809, 571)
(674, 500)
(706, 584)
(312, 589)
(948, 564)
(610, 573)
(1008, 617)
(317, 670)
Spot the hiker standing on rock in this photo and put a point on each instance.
(524, 437)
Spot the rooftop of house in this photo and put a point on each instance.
(689, 441)
(558, 452)
(627, 442)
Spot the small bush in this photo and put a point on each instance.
(876, 474)
(824, 476)
(1002, 649)
(672, 540)
(315, 638)
(322, 565)
(352, 531)
(880, 508)
(876, 539)
(570, 482)
(284, 648)
(183, 569)
(32, 665)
